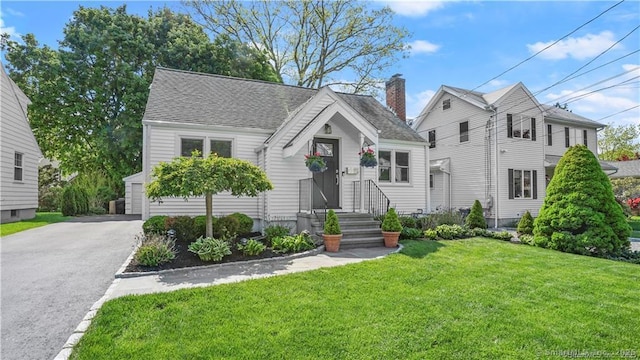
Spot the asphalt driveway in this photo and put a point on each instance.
(50, 276)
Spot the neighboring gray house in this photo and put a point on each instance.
(20, 155)
(500, 148)
(629, 168)
(274, 126)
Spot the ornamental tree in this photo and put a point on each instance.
(580, 214)
(476, 219)
(197, 176)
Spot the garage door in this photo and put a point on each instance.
(136, 199)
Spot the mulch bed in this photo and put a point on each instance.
(184, 258)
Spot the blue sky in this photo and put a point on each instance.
(466, 44)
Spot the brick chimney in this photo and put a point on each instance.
(396, 97)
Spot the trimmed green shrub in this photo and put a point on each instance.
(185, 228)
(481, 232)
(502, 235)
(253, 247)
(245, 223)
(407, 221)
(449, 232)
(476, 219)
(273, 231)
(332, 226)
(580, 214)
(155, 250)
(391, 222)
(410, 233)
(226, 227)
(430, 234)
(210, 249)
(293, 244)
(74, 201)
(525, 225)
(154, 225)
(526, 239)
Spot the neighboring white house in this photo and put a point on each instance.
(274, 126)
(20, 155)
(508, 176)
(626, 169)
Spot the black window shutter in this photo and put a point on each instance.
(509, 126)
(535, 184)
(510, 183)
(533, 129)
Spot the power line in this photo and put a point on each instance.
(619, 112)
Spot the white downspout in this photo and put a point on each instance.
(497, 199)
(428, 180)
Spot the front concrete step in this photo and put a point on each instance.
(358, 230)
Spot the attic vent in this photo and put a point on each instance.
(446, 104)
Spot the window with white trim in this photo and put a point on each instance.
(521, 127)
(17, 167)
(523, 184)
(394, 166)
(432, 139)
(221, 147)
(464, 131)
(188, 146)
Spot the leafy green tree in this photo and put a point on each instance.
(619, 142)
(309, 42)
(476, 219)
(197, 176)
(580, 214)
(88, 96)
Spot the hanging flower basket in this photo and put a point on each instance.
(315, 162)
(368, 158)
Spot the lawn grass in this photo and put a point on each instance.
(41, 219)
(467, 299)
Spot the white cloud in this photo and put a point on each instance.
(13, 12)
(580, 48)
(598, 104)
(7, 29)
(498, 83)
(414, 8)
(423, 47)
(416, 102)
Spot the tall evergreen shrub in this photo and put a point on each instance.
(525, 225)
(332, 226)
(580, 214)
(476, 219)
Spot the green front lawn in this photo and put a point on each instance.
(41, 219)
(467, 299)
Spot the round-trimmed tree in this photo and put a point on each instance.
(580, 214)
(476, 219)
(206, 176)
(525, 225)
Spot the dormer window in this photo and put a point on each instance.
(446, 104)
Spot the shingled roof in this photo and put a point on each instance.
(185, 97)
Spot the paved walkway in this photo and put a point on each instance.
(228, 273)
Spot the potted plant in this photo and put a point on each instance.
(391, 228)
(315, 162)
(368, 158)
(332, 233)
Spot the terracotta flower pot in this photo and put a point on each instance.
(332, 242)
(391, 238)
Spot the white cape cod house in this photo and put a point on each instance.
(500, 148)
(274, 126)
(20, 155)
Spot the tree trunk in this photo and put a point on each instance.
(208, 199)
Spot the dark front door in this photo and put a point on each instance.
(329, 180)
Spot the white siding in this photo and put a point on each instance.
(575, 137)
(16, 136)
(469, 170)
(407, 198)
(164, 145)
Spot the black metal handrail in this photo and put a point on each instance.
(376, 201)
(306, 188)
